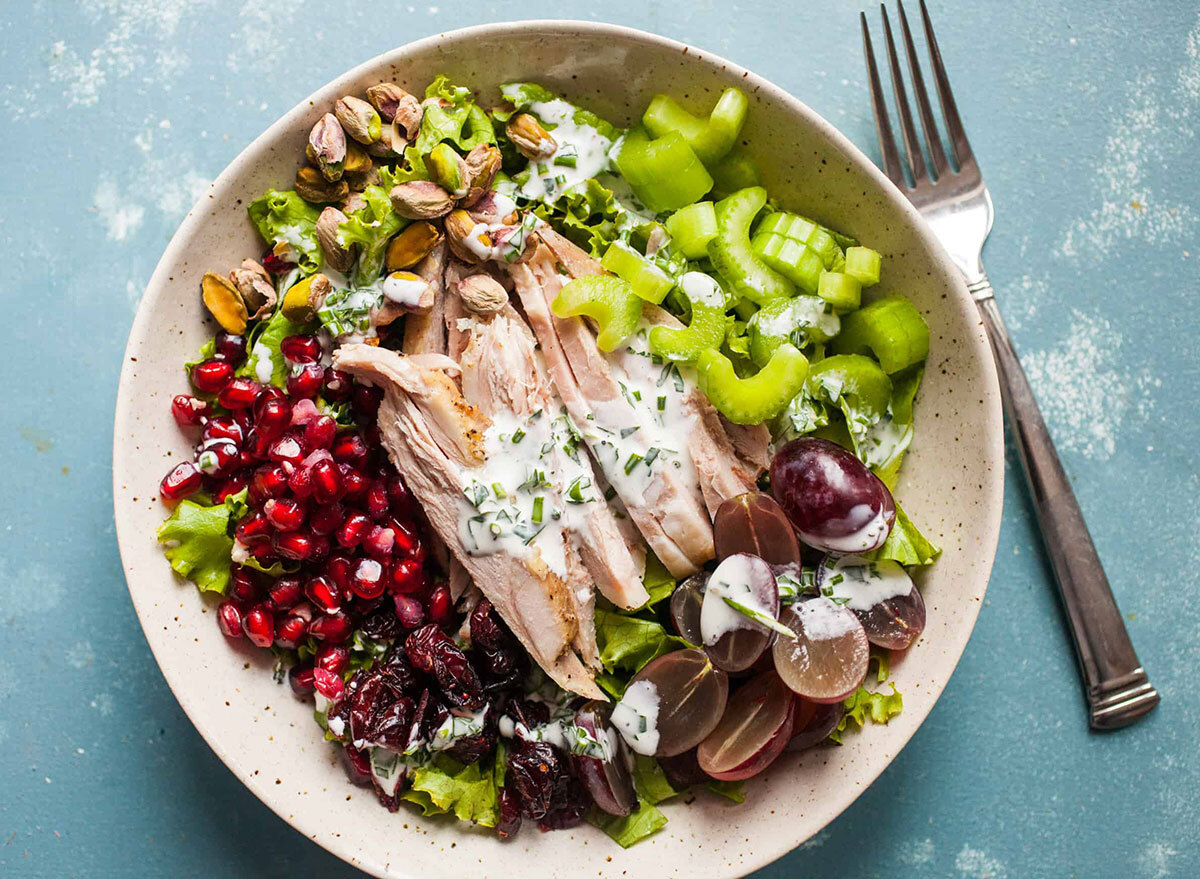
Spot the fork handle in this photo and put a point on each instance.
(1117, 689)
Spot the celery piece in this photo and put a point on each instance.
(736, 171)
(609, 301)
(792, 259)
(863, 264)
(840, 290)
(707, 327)
(891, 329)
(758, 398)
(732, 256)
(710, 138)
(854, 382)
(799, 320)
(648, 281)
(692, 227)
(665, 174)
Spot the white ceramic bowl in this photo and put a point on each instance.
(952, 478)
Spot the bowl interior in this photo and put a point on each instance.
(951, 485)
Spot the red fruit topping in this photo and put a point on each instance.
(183, 480)
(190, 411)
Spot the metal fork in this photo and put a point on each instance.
(956, 204)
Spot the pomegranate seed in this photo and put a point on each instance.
(377, 500)
(338, 385)
(374, 439)
(285, 593)
(242, 584)
(339, 569)
(243, 417)
(190, 411)
(328, 684)
(269, 481)
(253, 529)
(326, 482)
(408, 544)
(183, 480)
(409, 611)
(407, 577)
(305, 348)
(334, 628)
(367, 400)
(441, 608)
(354, 484)
(301, 679)
(400, 496)
(286, 448)
(223, 427)
(300, 482)
(230, 347)
(257, 446)
(229, 619)
(290, 631)
(305, 382)
(211, 375)
(333, 658)
(319, 433)
(217, 457)
(266, 395)
(304, 411)
(320, 548)
(353, 530)
(324, 594)
(230, 486)
(326, 519)
(238, 394)
(259, 626)
(285, 513)
(367, 581)
(274, 264)
(350, 448)
(295, 545)
(263, 553)
(273, 418)
(379, 542)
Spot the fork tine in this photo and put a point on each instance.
(958, 137)
(883, 126)
(911, 146)
(932, 140)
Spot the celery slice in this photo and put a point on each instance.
(800, 320)
(665, 173)
(863, 263)
(709, 138)
(609, 301)
(840, 290)
(692, 227)
(758, 398)
(707, 327)
(736, 171)
(648, 281)
(732, 256)
(891, 329)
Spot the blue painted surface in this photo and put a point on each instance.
(116, 113)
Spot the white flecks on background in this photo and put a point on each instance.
(133, 291)
(80, 655)
(916, 852)
(120, 216)
(1154, 860)
(262, 42)
(817, 841)
(973, 863)
(1081, 390)
(104, 703)
(1189, 73)
(32, 589)
(81, 80)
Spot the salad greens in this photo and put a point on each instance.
(284, 218)
(198, 540)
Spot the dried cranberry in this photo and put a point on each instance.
(357, 765)
(469, 749)
(510, 814)
(432, 652)
(398, 671)
(533, 771)
(371, 696)
(381, 625)
(392, 727)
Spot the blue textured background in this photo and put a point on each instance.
(117, 113)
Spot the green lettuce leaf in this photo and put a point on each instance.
(895, 429)
(906, 544)
(522, 94)
(285, 216)
(730, 790)
(207, 350)
(657, 580)
(652, 788)
(585, 214)
(371, 227)
(198, 540)
(412, 168)
(460, 121)
(650, 780)
(445, 785)
(266, 337)
(627, 642)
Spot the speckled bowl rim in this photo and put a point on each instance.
(766, 850)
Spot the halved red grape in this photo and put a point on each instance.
(827, 659)
(740, 594)
(755, 524)
(812, 722)
(833, 500)
(685, 607)
(753, 731)
(672, 704)
(607, 777)
(882, 596)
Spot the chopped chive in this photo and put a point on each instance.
(664, 375)
(631, 462)
(537, 510)
(627, 432)
(637, 395)
(651, 454)
(575, 492)
(536, 415)
(495, 529)
(610, 493)
(518, 435)
(498, 490)
(678, 381)
(662, 403)
(759, 617)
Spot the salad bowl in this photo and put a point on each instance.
(951, 483)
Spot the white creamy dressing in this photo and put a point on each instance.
(264, 367)
(869, 536)
(550, 178)
(457, 727)
(803, 311)
(860, 584)
(730, 580)
(823, 620)
(406, 292)
(499, 242)
(635, 717)
(702, 289)
(564, 734)
(632, 212)
(884, 440)
(388, 769)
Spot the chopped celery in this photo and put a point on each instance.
(840, 290)
(692, 227)
(732, 256)
(665, 174)
(797, 248)
(710, 138)
(607, 300)
(799, 320)
(856, 385)
(891, 329)
(707, 327)
(736, 171)
(758, 398)
(863, 264)
(647, 280)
